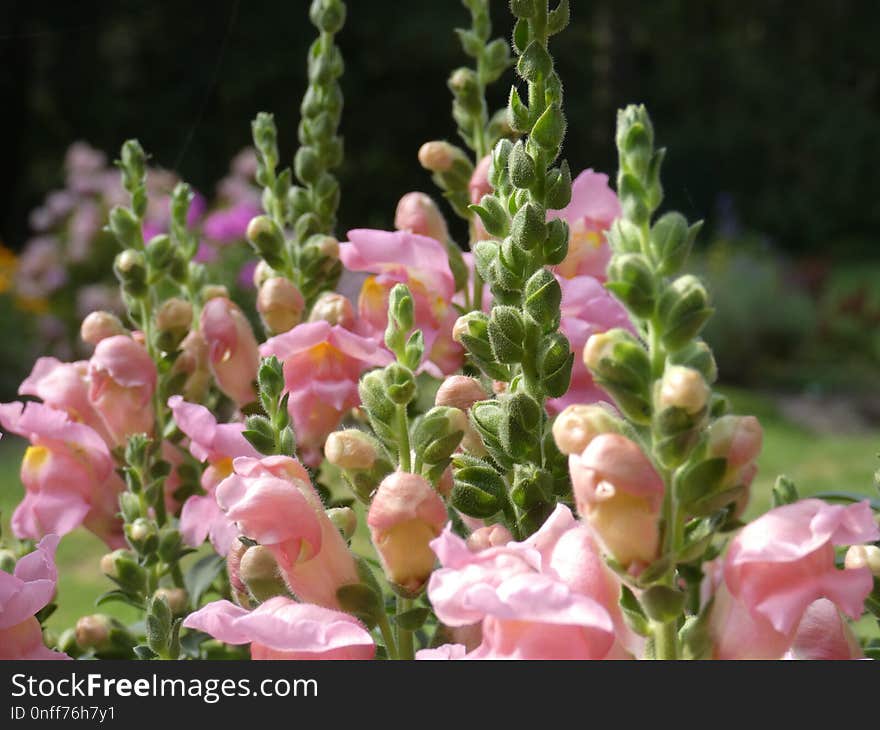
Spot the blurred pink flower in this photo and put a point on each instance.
(420, 262)
(67, 473)
(228, 225)
(322, 365)
(123, 379)
(587, 309)
(592, 209)
(22, 594)
(217, 443)
(40, 269)
(232, 348)
(284, 629)
(824, 634)
(272, 501)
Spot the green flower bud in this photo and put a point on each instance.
(122, 567)
(130, 268)
(129, 506)
(267, 240)
(549, 130)
(558, 187)
(170, 544)
(528, 228)
(511, 266)
(493, 215)
(400, 384)
(126, 227)
(523, 8)
(534, 63)
(683, 309)
(133, 161)
(344, 519)
(173, 321)
(555, 360)
(506, 333)
(266, 141)
(486, 418)
(401, 317)
(438, 433)
(327, 15)
(620, 365)
(472, 331)
(784, 491)
(671, 241)
(662, 603)
(176, 598)
(697, 355)
(521, 166)
(498, 173)
(624, 237)
(700, 488)
(541, 300)
(531, 486)
(478, 490)
(555, 247)
(143, 535)
(307, 165)
(520, 426)
(630, 278)
(7, 561)
(464, 86)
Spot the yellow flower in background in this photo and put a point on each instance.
(8, 264)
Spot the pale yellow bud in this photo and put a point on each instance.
(684, 388)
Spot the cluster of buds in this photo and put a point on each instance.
(310, 258)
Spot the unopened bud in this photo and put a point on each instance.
(578, 425)
(280, 304)
(93, 632)
(7, 561)
(267, 239)
(143, 535)
(214, 291)
(487, 537)
(99, 326)
(350, 449)
(344, 519)
(130, 267)
(684, 388)
(259, 571)
(735, 438)
(262, 271)
(863, 556)
(460, 391)
(176, 598)
(418, 213)
(439, 156)
(333, 308)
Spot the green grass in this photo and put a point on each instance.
(815, 463)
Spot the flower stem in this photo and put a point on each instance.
(405, 649)
(387, 635)
(403, 439)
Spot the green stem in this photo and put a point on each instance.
(403, 439)
(387, 635)
(405, 648)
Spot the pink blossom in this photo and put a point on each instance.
(592, 209)
(123, 378)
(406, 513)
(587, 309)
(423, 265)
(418, 213)
(322, 365)
(824, 634)
(228, 225)
(273, 501)
(233, 350)
(64, 386)
(777, 566)
(619, 494)
(529, 608)
(22, 594)
(40, 271)
(67, 474)
(218, 444)
(284, 629)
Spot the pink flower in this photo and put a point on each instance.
(587, 309)
(284, 629)
(22, 594)
(619, 495)
(824, 634)
(592, 209)
(418, 213)
(479, 184)
(123, 379)
(423, 265)
(232, 347)
(405, 515)
(218, 444)
(228, 225)
(322, 365)
(67, 474)
(545, 598)
(777, 566)
(272, 501)
(64, 386)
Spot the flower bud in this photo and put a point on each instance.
(214, 291)
(578, 425)
(99, 326)
(541, 300)
(464, 86)
(259, 571)
(267, 239)
(460, 391)
(418, 213)
(122, 566)
(400, 384)
(487, 537)
(438, 433)
(233, 568)
(333, 308)
(478, 490)
(683, 388)
(683, 310)
(735, 438)
(173, 321)
(863, 556)
(351, 449)
(7, 561)
(280, 304)
(620, 365)
(93, 632)
(345, 520)
(631, 280)
(506, 332)
(143, 535)
(131, 270)
(176, 598)
(671, 241)
(405, 515)
(439, 156)
(262, 271)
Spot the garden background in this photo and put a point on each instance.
(770, 113)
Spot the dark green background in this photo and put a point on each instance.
(773, 105)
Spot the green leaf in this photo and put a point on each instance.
(632, 612)
(558, 18)
(413, 619)
(201, 575)
(120, 597)
(142, 651)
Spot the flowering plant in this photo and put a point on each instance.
(512, 451)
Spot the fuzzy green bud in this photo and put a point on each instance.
(620, 365)
(683, 309)
(478, 490)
